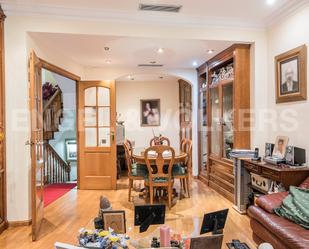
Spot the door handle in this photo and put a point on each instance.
(113, 136)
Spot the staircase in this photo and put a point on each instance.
(52, 114)
(56, 170)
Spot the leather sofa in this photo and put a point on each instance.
(278, 231)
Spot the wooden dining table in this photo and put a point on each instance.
(138, 156)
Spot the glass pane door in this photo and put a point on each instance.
(97, 117)
(215, 121)
(228, 134)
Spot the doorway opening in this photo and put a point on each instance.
(169, 102)
(60, 135)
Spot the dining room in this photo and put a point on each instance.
(154, 137)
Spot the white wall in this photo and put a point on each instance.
(17, 48)
(290, 119)
(128, 96)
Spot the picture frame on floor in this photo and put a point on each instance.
(115, 220)
(291, 75)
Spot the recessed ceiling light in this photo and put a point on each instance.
(270, 2)
(194, 63)
(129, 76)
(160, 50)
(108, 61)
(210, 51)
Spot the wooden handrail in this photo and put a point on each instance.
(56, 170)
(51, 100)
(52, 114)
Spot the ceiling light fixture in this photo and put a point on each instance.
(210, 51)
(194, 63)
(108, 61)
(160, 50)
(106, 48)
(270, 2)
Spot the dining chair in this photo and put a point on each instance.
(161, 175)
(182, 170)
(183, 144)
(162, 140)
(135, 171)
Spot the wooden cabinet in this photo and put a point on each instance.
(185, 110)
(3, 219)
(228, 105)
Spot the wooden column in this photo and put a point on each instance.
(3, 216)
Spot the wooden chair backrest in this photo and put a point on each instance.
(159, 161)
(182, 144)
(188, 149)
(161, 139)
(128, 150)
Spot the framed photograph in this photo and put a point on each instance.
(291, 75)
(280, 147)
(115, 220)
(150, 112)
(71, 149)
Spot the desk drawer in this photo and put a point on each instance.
(268, 173)
(252, 167)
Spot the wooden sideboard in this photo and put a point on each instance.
(288, 176)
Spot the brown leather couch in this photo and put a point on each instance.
(280, 232)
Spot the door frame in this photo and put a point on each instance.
(58, 70)
(4, 224)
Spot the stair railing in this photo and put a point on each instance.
(56, 170)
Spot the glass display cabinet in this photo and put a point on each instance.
(203, 119)
(228, 97)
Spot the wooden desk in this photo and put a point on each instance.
(288, 176)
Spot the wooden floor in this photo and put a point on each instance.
(77, 208)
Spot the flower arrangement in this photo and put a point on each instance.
(102, 239)
(48, 90)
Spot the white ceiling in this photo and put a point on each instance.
(128, 52)
(148, 77)
(255, 13)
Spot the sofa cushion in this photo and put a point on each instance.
(272, 201)
(305, 184)
(291, 234)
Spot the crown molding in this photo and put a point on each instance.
(88, 14)
(290, 8)
(75, 13)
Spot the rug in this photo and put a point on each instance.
(53, 192)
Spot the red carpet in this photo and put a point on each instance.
(54, 191)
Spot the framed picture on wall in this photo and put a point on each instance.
(150, 112)
(71, 149)
(291, 75)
